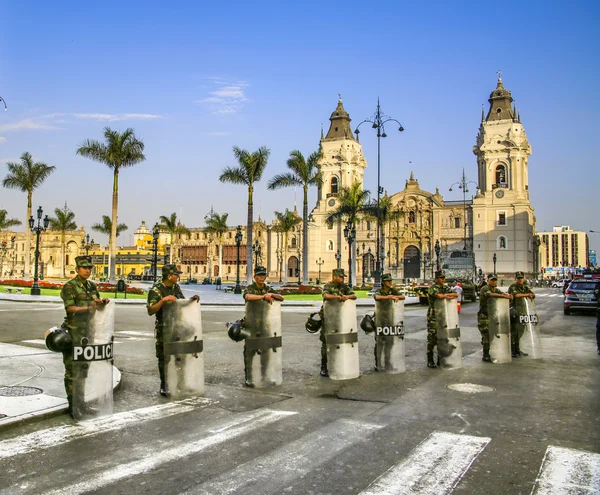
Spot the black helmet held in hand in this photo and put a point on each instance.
(314, 323)
(367, 323)
(236, 331)
(58, 339)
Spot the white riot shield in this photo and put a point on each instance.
(499, 329)
(341, 339)
(449, 345)
(528, 327)
(183, 346)
(262, 349)
(389, 336)
(93, 366)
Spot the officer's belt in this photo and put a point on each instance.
(262, 343)
(453, 333)
(341, 338)
(192, 347)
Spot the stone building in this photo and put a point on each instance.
(563, 251)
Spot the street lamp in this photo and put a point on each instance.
(378, 121)
(494, 260)
(238, 243)
(338, 257)
(13, 255)
(2, 100)
(85, 244)
(279, 254)
(319, 264)
(3, 250)
(38, 229)
(463, 184)
(155, 235)
(437, 254)
(350, 235)
(256, 249)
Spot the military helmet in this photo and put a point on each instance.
(58, 339)
(314, 323)
(83, 262)
(492, 276)
(519, 275)
(386, 276)
(170, 269)
(367, 323)
(440, 274)
(237, 331)
(260, 270)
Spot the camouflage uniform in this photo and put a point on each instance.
(82, 293)
(255, 290)
(336, 290)
(597, 295)
(155, 294)
(513, 290)
(482, 315)
(382, 292)
(431, 319)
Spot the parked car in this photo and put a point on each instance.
(559, 284)
(580, 295)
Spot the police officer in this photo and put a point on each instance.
(517, 290)
(256, 291)
(597, 295)
(439, 290)
(336, 289)
(81, 299)
(386, 293)
(162, 293)
(487, 291)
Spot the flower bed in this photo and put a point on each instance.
(102, 287)
(302, 289)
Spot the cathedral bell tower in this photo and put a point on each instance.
(503, 220)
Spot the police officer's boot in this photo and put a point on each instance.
(486, 356)
(430, 361)
(514, 350)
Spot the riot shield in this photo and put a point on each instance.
(93, 366)
(341, 339)
(389, 336)
(449, 345)
(262, 348)
(499, 329)
(528, 327)
(183, 346)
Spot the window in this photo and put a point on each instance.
(334, 185)
(411, 217)
(368, 225)
(294, 242)
(501, 219)
(457, 223)
(329, 246)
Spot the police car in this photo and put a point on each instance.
(580, 295)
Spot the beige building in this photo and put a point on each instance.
(562, 251)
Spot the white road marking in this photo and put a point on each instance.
(566, 471)
(434, 467)
(134, 333)
(35, 341)
(272, 473)
(14, 310)
(52, 437)
(233, 429)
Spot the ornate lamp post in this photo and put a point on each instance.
(463, 184)
(256, 249)
(494, 260)
(437, 254)
(378, 121)
(350, 235)
(3, 101)
(38, 229)
(155, 235)
(85, 244)
(13, 255)
(3, 251)
(279, 261)
(319, 264)
(338, 257)
(238, 243)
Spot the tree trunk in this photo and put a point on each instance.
(62, 249)
(285, 258)
(27, 266)
(112, 253)
(249, 236)
(305, 237)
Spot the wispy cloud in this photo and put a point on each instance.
(111, 117)
(26, 125)
(2, 139)
(228, 98)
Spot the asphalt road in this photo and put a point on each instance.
(410, 433)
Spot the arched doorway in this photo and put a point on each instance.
(368, 265)
(216, 271)
(412, 262)
(293, 267)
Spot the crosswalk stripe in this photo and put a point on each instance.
(281, 467)
(232, 429)
(58, 435)
(434, 467)
(566, 471)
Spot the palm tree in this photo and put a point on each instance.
(250, 170)
(217, 225)
(304, 173)
(119, 151)
(27, 176)
(63, 221)
(106, 227)
(353, 201)
(6, 223)
(285, 223)
(386, 214)
(172, 226)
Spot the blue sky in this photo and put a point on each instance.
(194, 80)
